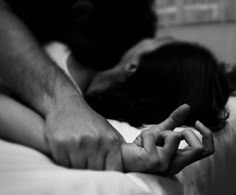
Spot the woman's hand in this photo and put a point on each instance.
(156, 150)
(151, 152)
(153, 149)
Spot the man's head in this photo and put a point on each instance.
(101, 31)
(171, 75)
(119, 74)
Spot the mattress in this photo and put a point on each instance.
(26, 171)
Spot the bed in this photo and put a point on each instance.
(26, 171)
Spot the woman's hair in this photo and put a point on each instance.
(172, 75)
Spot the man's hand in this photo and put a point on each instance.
(80, 138)
(76, 135)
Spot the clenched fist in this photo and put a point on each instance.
(80, 138)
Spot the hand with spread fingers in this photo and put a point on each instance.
(155, 150)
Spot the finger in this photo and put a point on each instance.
(96, 158)
(176, 118)
(78, 155)
(96, 161)
(191, 138)
(157, 160)
(60, 156)
(171, 143)
(160, 157)
(78, 160)
(149, 142)
(207, 138)
(196, 148)
(190, 154)
(113, 160)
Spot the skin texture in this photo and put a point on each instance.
(155, 150)
(142, 155)
(75, 135)
(30, 75)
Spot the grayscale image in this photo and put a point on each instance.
(118, 97)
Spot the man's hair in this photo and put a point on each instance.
(98, 31)
(111, 28)
(172, 75)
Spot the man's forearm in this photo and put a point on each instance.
(26, 70)
(76, 135)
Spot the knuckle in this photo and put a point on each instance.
(176, 135)
(173, 133)
(143, 133)
(109, 141)
(83, 141)
(59, 139)
(146, 133)
(112, 139)
(186, 131)
(88, 139)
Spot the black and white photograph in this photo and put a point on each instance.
(118, 97)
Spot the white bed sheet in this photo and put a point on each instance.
(24, 171)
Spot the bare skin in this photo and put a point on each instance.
(154, 151)
(148, 153)
(76, 136)
(69, 121)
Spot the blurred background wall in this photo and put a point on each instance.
(209, 22)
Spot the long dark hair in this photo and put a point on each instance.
(168, 77)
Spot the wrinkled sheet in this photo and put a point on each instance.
(26, 171)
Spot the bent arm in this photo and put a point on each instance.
(22, 125)
(29, 73)
(26, 70)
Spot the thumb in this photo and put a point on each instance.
(176, 118)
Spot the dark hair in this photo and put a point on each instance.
(168, 77)
(113, 26)
(100, 38)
